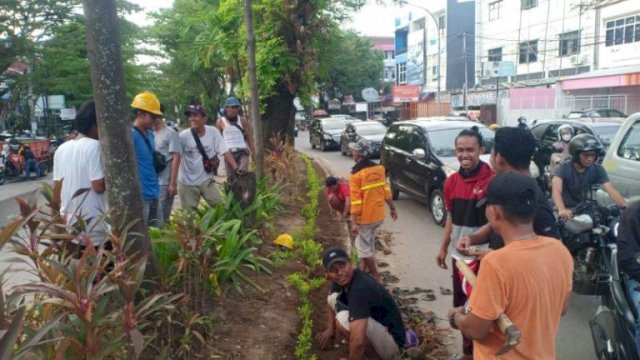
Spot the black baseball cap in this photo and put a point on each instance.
(333, 255)
(511, 189)
(195, 109)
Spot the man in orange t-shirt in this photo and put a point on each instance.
(529, 279)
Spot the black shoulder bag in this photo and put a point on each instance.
(159, 160)
(210, 165)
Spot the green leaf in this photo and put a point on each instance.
(9, 338)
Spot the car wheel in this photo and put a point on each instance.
(395, 193)
(322, 146)
(313, 146)
(436, 206)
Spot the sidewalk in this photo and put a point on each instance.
(13, 189)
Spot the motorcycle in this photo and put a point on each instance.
(613, 325)
(587, 236)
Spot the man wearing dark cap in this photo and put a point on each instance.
(237, 135)
(201, 145)
(529, 279)
(512, 151)
(360, 309)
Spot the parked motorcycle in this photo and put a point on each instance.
(613, 325)
(587, 235)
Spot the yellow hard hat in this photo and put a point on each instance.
(148, 102)
(494, 126)
(284, 240)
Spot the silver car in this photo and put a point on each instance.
(622, 160)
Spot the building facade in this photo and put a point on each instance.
(386, 46)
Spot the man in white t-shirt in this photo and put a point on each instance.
(168, 144)
(78, 170)
(194, 181)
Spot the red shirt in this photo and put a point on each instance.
(342, 191)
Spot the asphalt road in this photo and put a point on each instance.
(416, 244)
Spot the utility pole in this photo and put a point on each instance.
(114, 126)
(253, 84)
(464, 51)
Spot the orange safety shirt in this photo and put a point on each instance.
(369, 190)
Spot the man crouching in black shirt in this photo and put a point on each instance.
(512, 152)
(360, 309)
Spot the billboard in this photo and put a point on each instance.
(405, 93)
(415, 58)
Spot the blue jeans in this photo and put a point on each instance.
(634, 292)
(30, 166)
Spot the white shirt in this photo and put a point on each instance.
(77, 163)
(167, 144)
(233, 137)
(192, 171)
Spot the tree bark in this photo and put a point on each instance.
(254, 106)
(114, 126)
(279, 115)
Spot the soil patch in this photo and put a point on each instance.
(264, 324)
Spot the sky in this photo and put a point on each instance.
(372, 20)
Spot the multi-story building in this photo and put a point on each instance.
(443, 34)
(580, 55)
(386, 45)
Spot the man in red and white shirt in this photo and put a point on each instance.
(338, 195)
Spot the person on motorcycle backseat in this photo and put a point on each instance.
(4, 155)
(565, 133)
(628, 254)
(561, 146)
(573, 180)
(522, 123)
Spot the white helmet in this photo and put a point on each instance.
(562, 128)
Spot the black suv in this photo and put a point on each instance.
(325, 132)
(419, 155)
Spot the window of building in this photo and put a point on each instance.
(494, 10)
(388, 55)
(528, 4)
(442, 22)
(434, 71)
(570, 43)
(528, 52)
(402, 73)
(495, 54)
(623, 31)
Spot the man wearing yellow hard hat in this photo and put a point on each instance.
(146, 111)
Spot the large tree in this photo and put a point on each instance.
(291, 36)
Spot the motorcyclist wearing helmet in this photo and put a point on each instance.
(561, 146)
(574, 179)
(522, 123)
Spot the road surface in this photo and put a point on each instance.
(416, 244)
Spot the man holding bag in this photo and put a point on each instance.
(201, 146)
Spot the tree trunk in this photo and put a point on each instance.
(279, 115)
(254, 106)
(114, 126)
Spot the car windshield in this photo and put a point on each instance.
(443, 141)
(334, 124)
(606, 134)
(575, 115)
(371, 129)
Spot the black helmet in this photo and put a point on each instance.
(584, 142)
